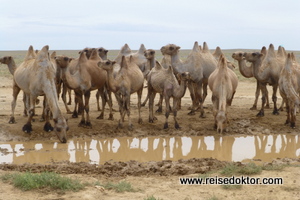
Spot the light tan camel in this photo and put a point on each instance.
(223, 83)
(267, 71)
(86, 78)
(199, 64)
(218, 52)
(163, 81)
(36, 76)
(288, 88)
(247, 72)
(128, 80)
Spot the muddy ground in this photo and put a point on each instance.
(152, 178)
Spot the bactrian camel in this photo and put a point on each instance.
(218, 52)
(223, 83)
(163, 81)
(36, 76)
(288, 88)
(266, 69)
(124, 82)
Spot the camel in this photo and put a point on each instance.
(247, 72)
(163, 81)
(266, 69)
(218, 52)
(86, 78)
(199, 64)
(288, 88)
(223, 83)
(128, 80)
(36, 76)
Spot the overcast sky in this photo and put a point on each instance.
(230, 24)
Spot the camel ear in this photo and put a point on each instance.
(114, 62)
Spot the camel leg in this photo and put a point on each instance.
(199, 96)
(139, 94)
(257, 91)
(16, 91)
(63, 96)
(274, 99)
(288, 119)
(79, 102)
(121, 109)
(127, 106)
(204, 91)
(263, 99)
(175, 102)
(97, 100)
(69, 91)
(77, 99)
(152, 94)
(145, 101)
(267, 106)
(159, 110)
(47, 127)
(110, 104)
(27, 128)
(42, 119)
(191, 88)
(167, 100)
(293, 115)
(87, 96)
(24, 102)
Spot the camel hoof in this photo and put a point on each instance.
(12, 120)
(48, 127)
(75, 115)
(286, 122)
(111, 117)
(253, 108)
(140, 121)
(27, 128)
(192, 112)
(88, 125)
(100, 116)
(177, 126)
(166, 126)
(293, 125)
(159, 110)
(275, 112)
(260, 114)
(81, 123)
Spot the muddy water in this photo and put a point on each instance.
(225, 148)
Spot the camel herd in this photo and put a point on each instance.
(42, 74)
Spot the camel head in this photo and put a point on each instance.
(238, 55)
(149, 54)
(185, 76)
(62, 61)
(88, 51)
(221, 119)
(106, 64)
(5, 60)
(60, 128)
(102, 53)
(170, 49)
(253, 57)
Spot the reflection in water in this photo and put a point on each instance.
(228, 148)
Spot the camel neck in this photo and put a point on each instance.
(111, 80)
(12, 66)
(246, 71)
(181, 89)
(176, 63)
(70, 79)
(52, 100)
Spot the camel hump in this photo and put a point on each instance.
(53, 55)
(263, 50)
(82, 57)
(125, 49)
(30, 53)
(196, 47)
(158, 65)
(271, 50)
(218, 51)
(142, 49)
(222, 63)
(124, 63)
(205, 47)
(289, 62)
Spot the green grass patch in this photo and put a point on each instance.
(152, 198)
(248, 169)
(29, 181)
(274, 167)
(122, 186)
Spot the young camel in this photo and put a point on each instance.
(36, 76)
(266, 69)
(288, 88)
(223, 83)
(163, 81)
(128, 80)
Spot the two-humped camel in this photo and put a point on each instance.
(217, 53)
(223, 83)
(163, 81)
(266, 69)
(124, 82)
(86, 76)
(199, 64)
(36, 76)
(289, 87)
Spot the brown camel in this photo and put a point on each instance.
(288, 88)
(247, 71)
(218, 52)
(163, 81)
(36, 76)
(129, 79)
(88, 77)
(267, 71)
(223, 83)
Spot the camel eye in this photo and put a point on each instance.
(171, 48)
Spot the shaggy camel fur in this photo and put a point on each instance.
(200, 64)
(36, 76)
(288, 88)
(223, 83)
(86, 78)
(129, 79)
(267, 71)
(247, 71)
(163, 81)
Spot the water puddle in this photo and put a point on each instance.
(225, 148)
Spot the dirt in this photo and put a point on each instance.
(160, 179)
